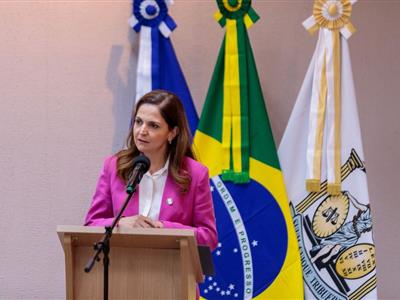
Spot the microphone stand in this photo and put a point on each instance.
(104, 244)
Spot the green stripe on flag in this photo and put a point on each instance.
(262, 145)
(211, 116)
(244, 101)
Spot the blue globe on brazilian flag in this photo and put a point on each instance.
(257, 255)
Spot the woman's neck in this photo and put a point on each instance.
(156, 162)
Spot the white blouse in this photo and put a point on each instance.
(151, 189)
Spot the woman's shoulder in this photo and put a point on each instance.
(110, 162)
(111, 158)
(194, 166)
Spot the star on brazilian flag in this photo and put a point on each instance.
(257, 255)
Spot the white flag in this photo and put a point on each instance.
(334, 230)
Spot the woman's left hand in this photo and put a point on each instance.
(139, 221)
(158, 224)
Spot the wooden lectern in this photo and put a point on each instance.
(144, 263)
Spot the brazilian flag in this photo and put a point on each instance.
(257, 255)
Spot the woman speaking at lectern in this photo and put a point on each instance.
(175, 191)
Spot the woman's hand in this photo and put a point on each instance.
(139, 221)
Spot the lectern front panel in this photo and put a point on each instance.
(135, 273)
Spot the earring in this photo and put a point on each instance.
(169, 141)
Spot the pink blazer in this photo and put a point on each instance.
(193, 210)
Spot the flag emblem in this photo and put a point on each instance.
(334, 242)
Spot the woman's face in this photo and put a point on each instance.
(151, 132)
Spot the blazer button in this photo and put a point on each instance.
(170, 201)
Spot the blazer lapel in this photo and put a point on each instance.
(168, 198)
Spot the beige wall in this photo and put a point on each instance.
(66, 87)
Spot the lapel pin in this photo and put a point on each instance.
(170, 201)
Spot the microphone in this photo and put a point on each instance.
(141, 164)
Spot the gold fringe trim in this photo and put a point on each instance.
(313, 185)
(334, 188)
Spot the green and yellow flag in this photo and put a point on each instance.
(257, 255)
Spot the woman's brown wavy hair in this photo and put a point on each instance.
(172, 111)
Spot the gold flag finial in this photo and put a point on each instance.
(332, 15)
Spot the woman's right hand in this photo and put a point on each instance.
(137, 221)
